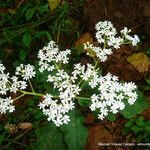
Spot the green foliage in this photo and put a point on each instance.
(131, 110)
(75, 132)
(49, 136)
(29, 13)
(34, 21)
(84, 102)
(23, 55)
(111, 117)
(72, 136)
(27, 39)
(139, 127)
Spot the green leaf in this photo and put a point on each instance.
(83, 101)
(2, 138)
(29, 14)
(135, 129)
(49, 137)
(43, 8)
(147, 127)
(139, 106)
(75, 131)
(38, 115)
(111, 117)
(39, 34)
(129, 123)
(78, 50)
(27, 39)
(140, 121)
(23, 54)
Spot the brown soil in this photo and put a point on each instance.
(117, 65)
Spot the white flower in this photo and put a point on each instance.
(25, 71)
(101, 53)
(6, 105)
(125, 31)
(66, 119)
(23, 85)
(56, 110)
(112, 95)
(2, 68)
(4, 78)
(133, 39)
(51, 54)
(106, 36)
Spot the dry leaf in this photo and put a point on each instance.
(84, 39)
(25, 125)
(12, 128)
(79, 45)
(140, 61)
(53, 4)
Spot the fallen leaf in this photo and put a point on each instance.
(25, 125)
(53, 4)
(84, 39)
(79, 45)
(12, 11)
(140, 61)
(13, 129)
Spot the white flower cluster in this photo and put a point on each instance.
(13, 84)
(101, 53)
(86, 73)
(106, 34)
(25, 71)
(56, 108)
(17, 85)
(112, 95)
(133, 39)
(6, 105)
(109, 98)
(51, 53)
(3, 80)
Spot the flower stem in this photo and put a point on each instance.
(18, 97)
(31, 85)
(31, 93)
(83, 98)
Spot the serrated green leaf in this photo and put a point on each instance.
(75, 131)
(27, 39)
(139, 106)
(29, 14)
(49, 137)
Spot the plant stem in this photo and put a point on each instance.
(31, 93)
(19, 97)
(31, 86)
(83, 98)
(21, 31)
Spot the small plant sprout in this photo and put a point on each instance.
(109, 96)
